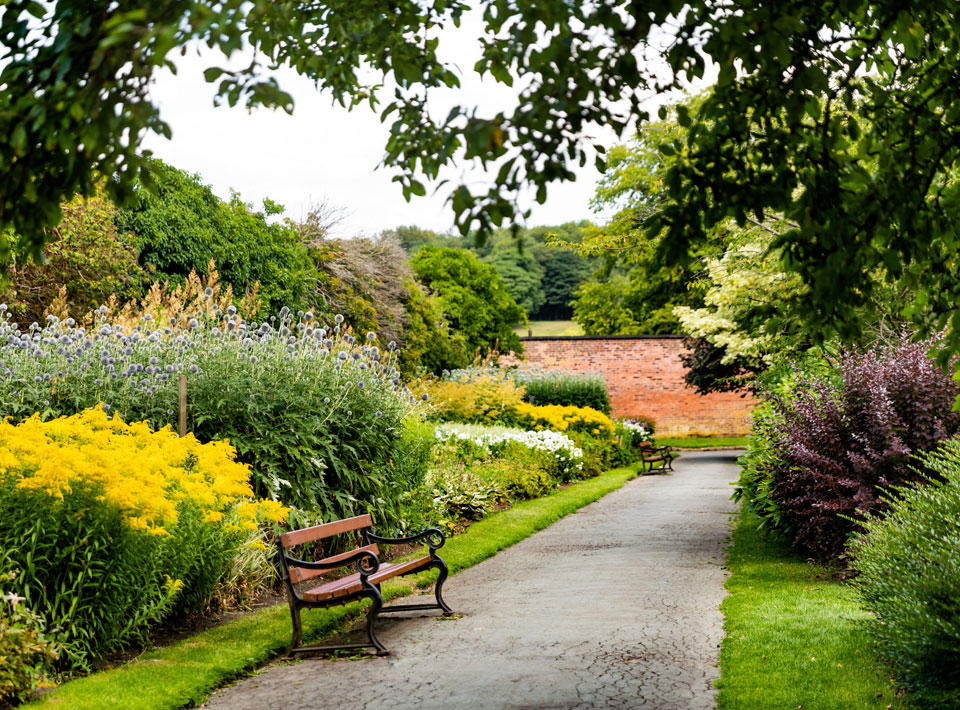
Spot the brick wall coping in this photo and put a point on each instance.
(601, 337)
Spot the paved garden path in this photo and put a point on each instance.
(611, 607)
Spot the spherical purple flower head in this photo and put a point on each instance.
(308, 316)
(361, 384)
(231, 324)
(231, 311)
(424, 397)
(106, 407)
(208, 292)
(412, 399)
(338, 319)
(102, 310)
(371, 336)
(378, 414)
(194, 323)
(194, 369)
(148, 317)
(3, 307)
(37, 379)
(392, 345)
(342, 355)
(154, 361)
(284, 313)
(173, 321)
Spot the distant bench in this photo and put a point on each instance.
(654, 455)
(365, 582)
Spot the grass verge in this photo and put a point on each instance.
(540, 328)
(701, 442)
(794, 637)
(183, 674)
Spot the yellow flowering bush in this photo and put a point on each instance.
(113, 526)
(484, 400)
(584, 420)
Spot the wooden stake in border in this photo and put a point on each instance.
(182, 424)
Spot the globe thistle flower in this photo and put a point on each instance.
(208, 292)
(194, 323)
(194, 369)
(424, 397)
(371, 336)
(308, 316)
(392, 345)
(231, 311)
(378, 414)
(338, 319)
(71, 322)
(342, 355)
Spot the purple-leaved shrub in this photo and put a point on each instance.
(835, 442)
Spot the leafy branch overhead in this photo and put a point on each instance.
(841, 118)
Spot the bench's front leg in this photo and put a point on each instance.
(376, 605)
(444, 573)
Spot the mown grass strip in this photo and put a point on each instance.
(183, 674)
(701, 442)
(794, 635)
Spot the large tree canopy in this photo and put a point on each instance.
(841, 117)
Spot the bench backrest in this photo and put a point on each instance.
(320, 532)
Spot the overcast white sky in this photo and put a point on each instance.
(323, 151)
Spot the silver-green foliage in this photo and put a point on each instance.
(909, 565)
(315, 412)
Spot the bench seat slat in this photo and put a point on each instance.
(318, 532)
(352, 584)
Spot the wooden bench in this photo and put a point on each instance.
(364, 583)
(653, 455)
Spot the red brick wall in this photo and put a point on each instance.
(644, 378)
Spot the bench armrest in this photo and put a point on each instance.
(367, 562)
(433, 537)
(651, 449)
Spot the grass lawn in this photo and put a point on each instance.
(550, 327)
(701, 442)
(794, 636)
(183, 674)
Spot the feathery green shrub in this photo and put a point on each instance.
(909, 565)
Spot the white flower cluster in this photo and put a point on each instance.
(569, 456)
(635, 427)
